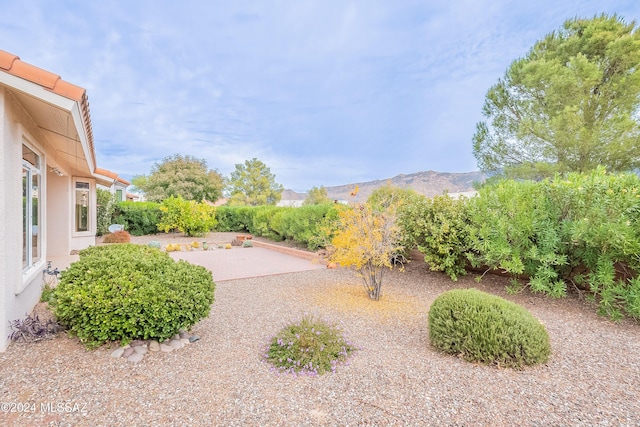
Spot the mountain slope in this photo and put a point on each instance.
(428, 183)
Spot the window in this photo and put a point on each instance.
(31, 236)
(82, 206)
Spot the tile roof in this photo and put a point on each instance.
(12, 64)
(111, 175)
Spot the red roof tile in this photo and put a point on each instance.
(12, 64)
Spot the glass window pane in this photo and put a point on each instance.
(82, 206)
(35, 218)
(25, 216)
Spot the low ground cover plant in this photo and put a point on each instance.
(485, 328)
(125, 292)
(310, 346)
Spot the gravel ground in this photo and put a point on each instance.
(395, 378)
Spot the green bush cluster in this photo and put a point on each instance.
(485, 328)
(306, 225)
(578, 230)
(192, 218)
(310, 346)
(126, 291)
(139, 218)
(105, 208)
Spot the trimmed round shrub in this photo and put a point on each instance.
(125, 292)
(485, 328)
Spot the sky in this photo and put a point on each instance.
(324, 92)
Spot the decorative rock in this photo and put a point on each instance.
(154, 345)
(136, 357)
(136, 343)
(183, 334)
(140, 349)
(117, 352)
(166, 348)
(194, 338)
(176, 344)
(185, 341)
(127, 352)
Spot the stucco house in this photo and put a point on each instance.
(48, 179)
(118, 185)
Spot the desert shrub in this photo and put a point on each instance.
(105, 208)
(121, 236)
(485, 328)
(310, 225)
(439, 229)
(247, 244)
(310, 346)
(155, 244)
(262, 222)
(367, 241)
(578, 230)
(192, 218)
(233, 218)
(125, 292)
(139, 218)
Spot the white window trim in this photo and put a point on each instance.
(31, 273)
(92, 208)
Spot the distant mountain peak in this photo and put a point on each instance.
(428, 183)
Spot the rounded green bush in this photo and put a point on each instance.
(485, 328)
(126, 291)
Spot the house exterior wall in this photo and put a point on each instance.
(19, 291)
(58, 189)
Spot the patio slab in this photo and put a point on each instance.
(241, 263)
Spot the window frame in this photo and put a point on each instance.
(32, 265)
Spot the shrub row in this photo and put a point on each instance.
(580, 231)
(309, 225)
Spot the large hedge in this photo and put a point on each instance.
(138, 218)
(125, 292)
(485, 328)
(309, 225)
(579, 232)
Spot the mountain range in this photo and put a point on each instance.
(428, 183)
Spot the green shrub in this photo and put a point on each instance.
(486, 328)
(233, 218)
(139, 218)
(192, 218)
(105, 208)
(125, 292)
(439, 228)
(308, 347)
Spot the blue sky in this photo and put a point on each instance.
(324, 92)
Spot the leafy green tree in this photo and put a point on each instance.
(252, 183)
(317, 196)
(570, 104)
(105, 209)
(180, 176)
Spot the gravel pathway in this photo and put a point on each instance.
(592, 378)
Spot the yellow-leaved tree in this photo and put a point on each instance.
(368, 240)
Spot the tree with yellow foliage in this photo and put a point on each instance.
(367, 240)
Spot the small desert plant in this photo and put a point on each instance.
(126, 292)
(173, 247)
(154, 244)
(236, 242)
(485, 328)
(227, 246)
(308, 347)
(121, 236)
(31, 329)
(195, 245)
(247, 244)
